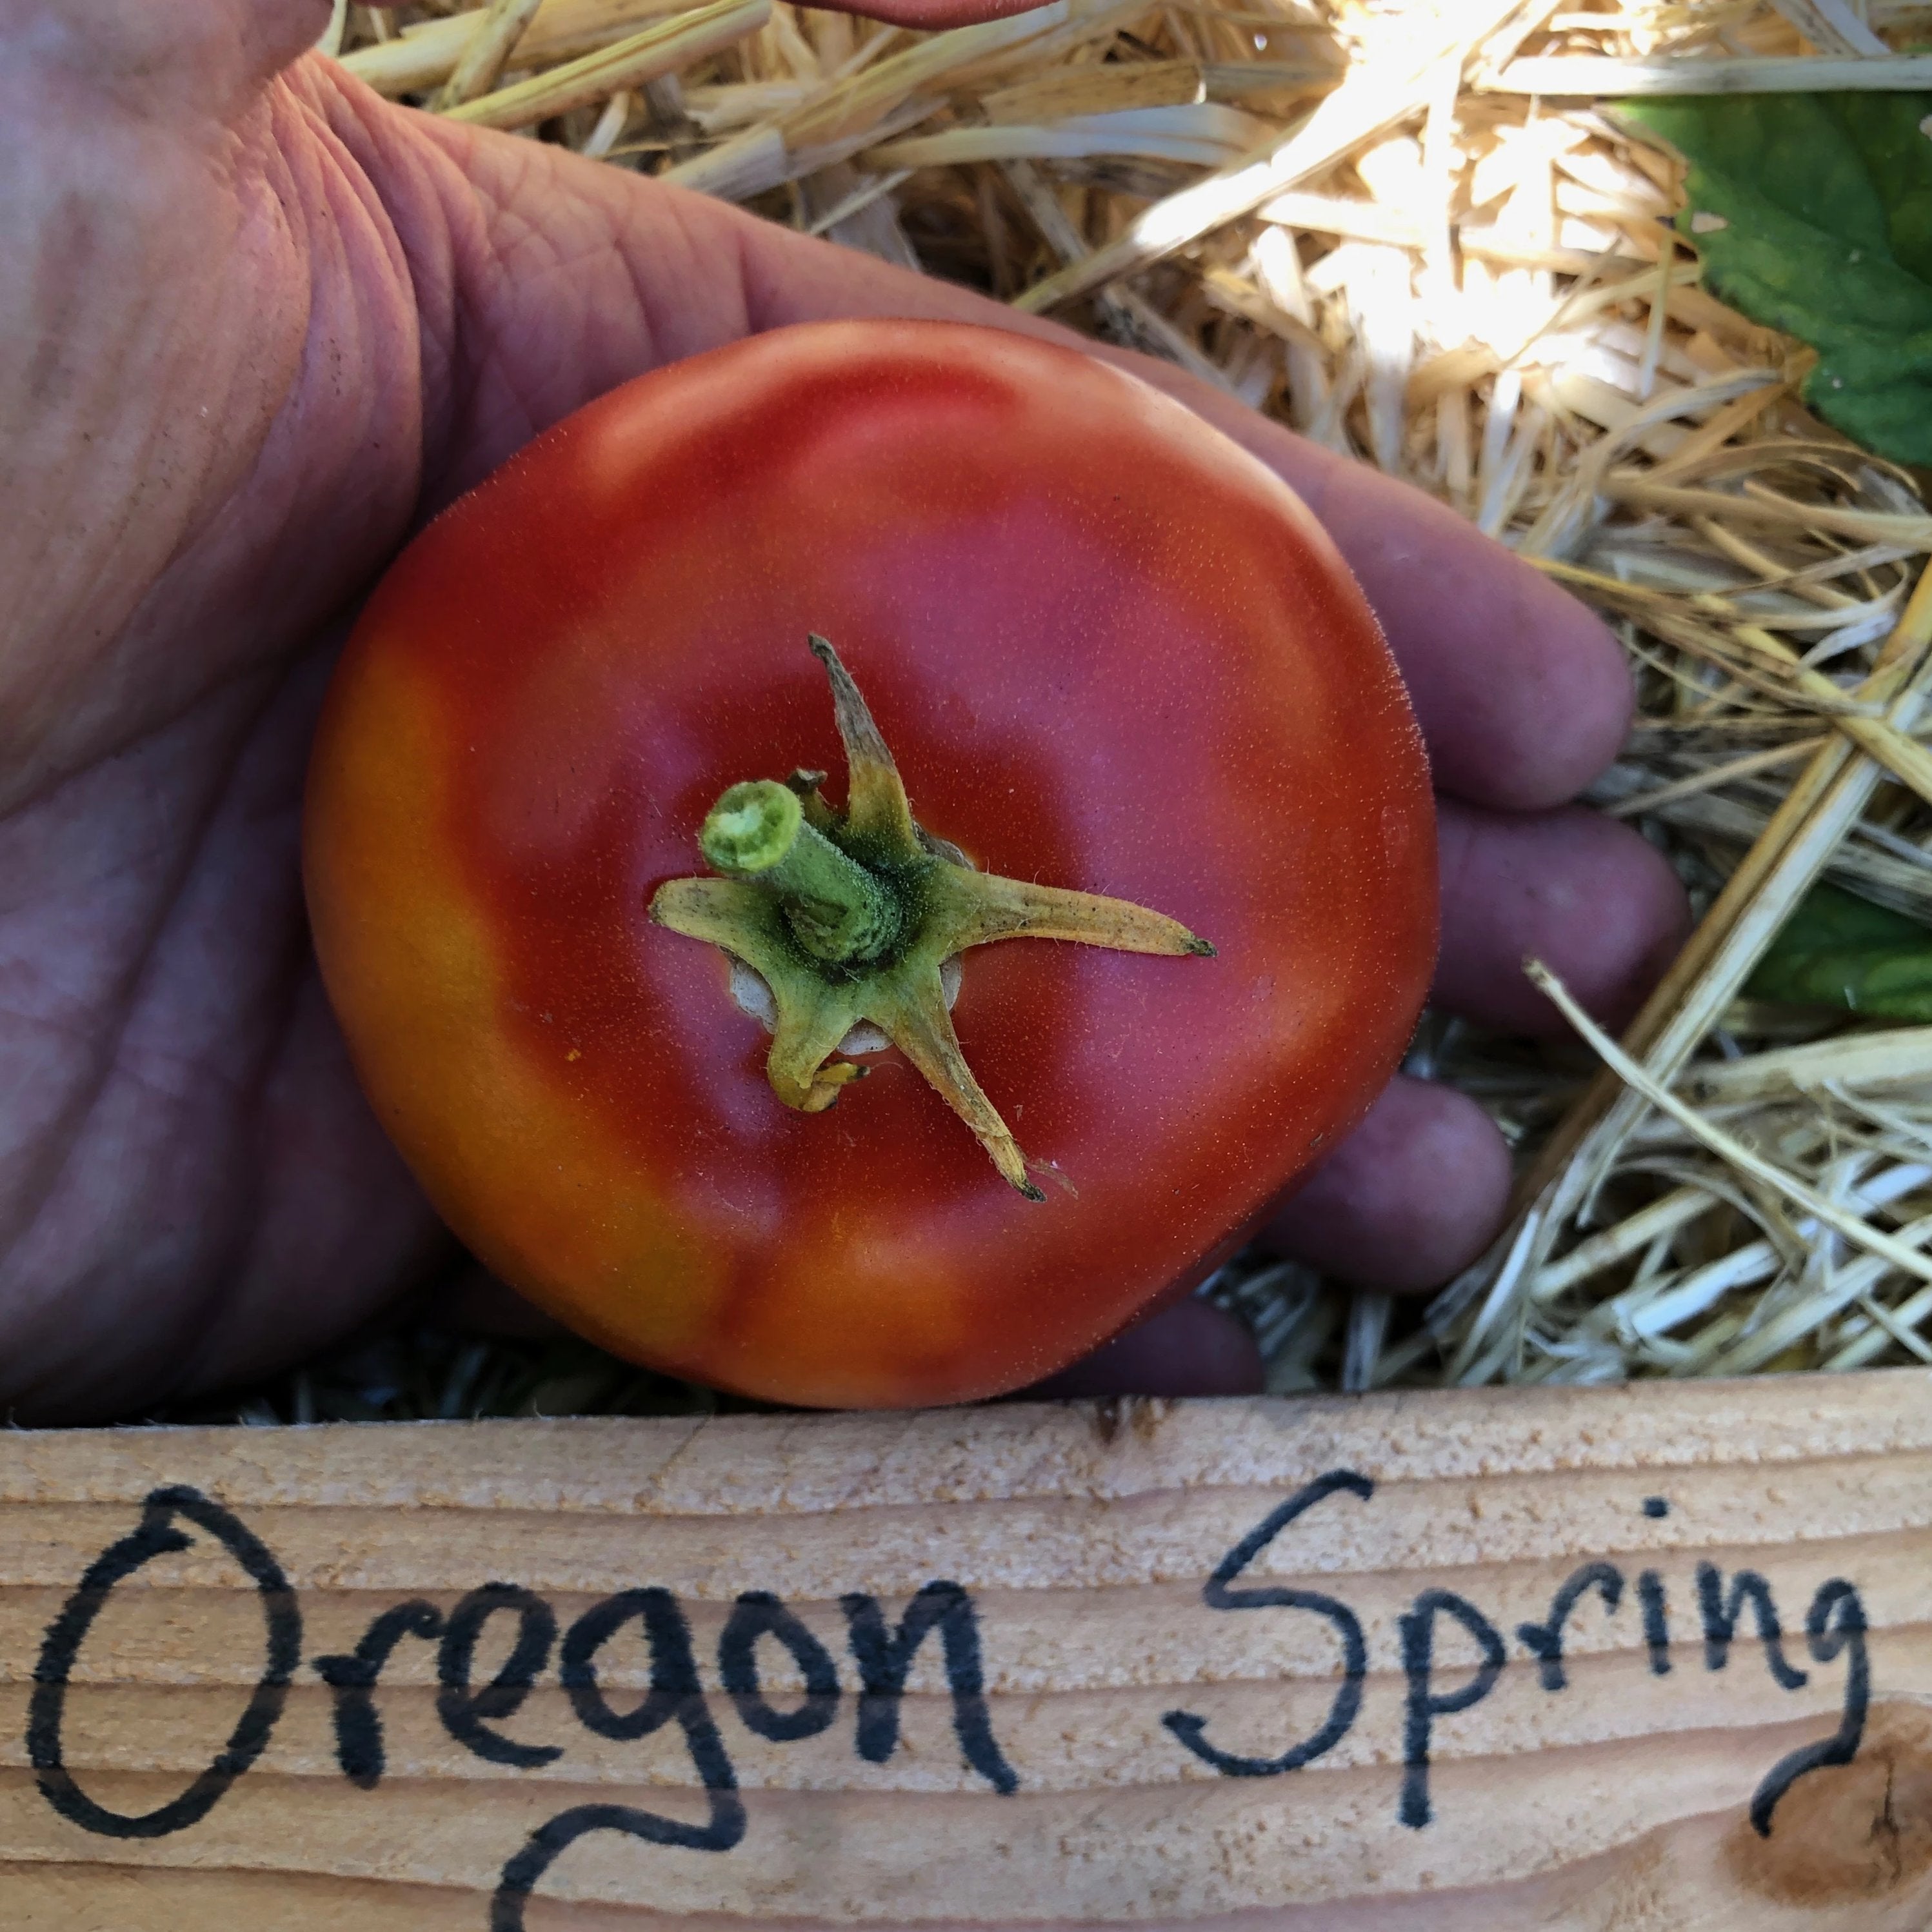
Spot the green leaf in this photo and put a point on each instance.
(1839, 950)
(1828, 201)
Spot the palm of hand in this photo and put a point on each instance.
(266, 324)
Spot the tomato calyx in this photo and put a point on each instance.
(848, 918)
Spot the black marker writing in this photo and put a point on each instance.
(1720, 1612)
(1217, 1594)
(157, 1536)
(675, 1696)
(467, 1713)
(757, 1614)
(1835, 1626)
(1424, 1704)
(1544, 1641)
(358, 1729)
(548, 1842)
(1835, 1621)
(1656, 1621)
(883, 1661)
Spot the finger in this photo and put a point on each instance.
(1191, 1348)
(1522, 695)
(927, 14)
(1408, 1200)
(1585, 894)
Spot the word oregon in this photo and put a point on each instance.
(882, 1649)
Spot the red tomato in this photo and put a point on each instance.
(1109, 650)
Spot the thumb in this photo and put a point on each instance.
(205, 57)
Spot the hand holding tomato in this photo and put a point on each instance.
(261, 323)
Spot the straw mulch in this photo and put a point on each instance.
(1421, 236)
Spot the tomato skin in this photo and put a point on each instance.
(1109, 649)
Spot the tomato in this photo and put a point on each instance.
(1109, 652)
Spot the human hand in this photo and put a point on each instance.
(261, 324)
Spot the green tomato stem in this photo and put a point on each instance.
(837, 910)
(838, 938)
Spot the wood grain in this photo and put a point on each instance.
(1083, 1736)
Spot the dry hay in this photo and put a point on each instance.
(1413, 236)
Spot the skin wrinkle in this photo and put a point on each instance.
(201, 1316)
(518, 410)
(218, 1238)
(390, 1237)
(160, 469)
(60, 1141)
(280, 822)
(48, 381)
(84, 1009)
(432, 216)
(643, 342)
(513, 415)
(193, 701)
(374, 308)
(85, 246)
(439, 219)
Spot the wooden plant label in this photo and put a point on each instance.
(1623, 1661)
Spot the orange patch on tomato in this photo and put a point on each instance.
(486, 1117)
